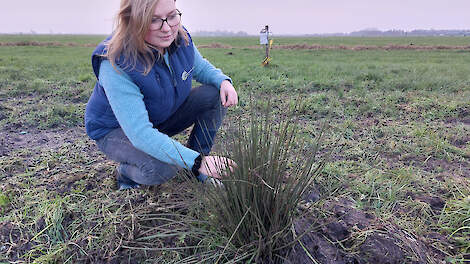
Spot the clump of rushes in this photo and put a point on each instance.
(256, 206)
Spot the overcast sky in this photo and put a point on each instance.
(284, 17)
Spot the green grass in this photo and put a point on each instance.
(80, 39)
(239, 42)
(400, 118)
(338, 41)
(51, 88)
(455, 219)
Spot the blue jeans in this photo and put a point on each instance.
(202, 108)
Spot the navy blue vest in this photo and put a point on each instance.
(164, 90)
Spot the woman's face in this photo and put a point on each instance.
(158, 35)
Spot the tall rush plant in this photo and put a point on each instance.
(257, 204)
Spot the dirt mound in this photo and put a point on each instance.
(12, 242)
(357, 237)
(315, 245)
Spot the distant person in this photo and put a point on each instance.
(143, 96)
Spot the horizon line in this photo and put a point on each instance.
(244, 33)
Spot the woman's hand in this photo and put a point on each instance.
(228, 95)
(216, 166)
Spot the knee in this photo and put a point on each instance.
(209, 95)
(157, 172)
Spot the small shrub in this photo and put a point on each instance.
(256, 206)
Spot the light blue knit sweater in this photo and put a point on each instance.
(128, 106)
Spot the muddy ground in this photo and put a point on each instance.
(374, 240)
(366, 238)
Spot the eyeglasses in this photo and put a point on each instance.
(172, 20)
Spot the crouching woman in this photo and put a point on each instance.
(144, 96)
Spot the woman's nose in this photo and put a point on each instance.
(165, 27)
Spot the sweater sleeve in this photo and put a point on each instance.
(204, 72)
(128, 106)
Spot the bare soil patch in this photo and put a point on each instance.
(33, 138)
(462, 120)
(460, 142)
(442, 166)
(456, 168)
(13, 243)
(380, 242)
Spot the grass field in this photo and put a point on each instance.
(397, 190)
(250, 41)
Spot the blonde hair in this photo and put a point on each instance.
(128, 41)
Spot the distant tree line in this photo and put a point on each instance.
(401, 33)
(219, 33)
(369, 32)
